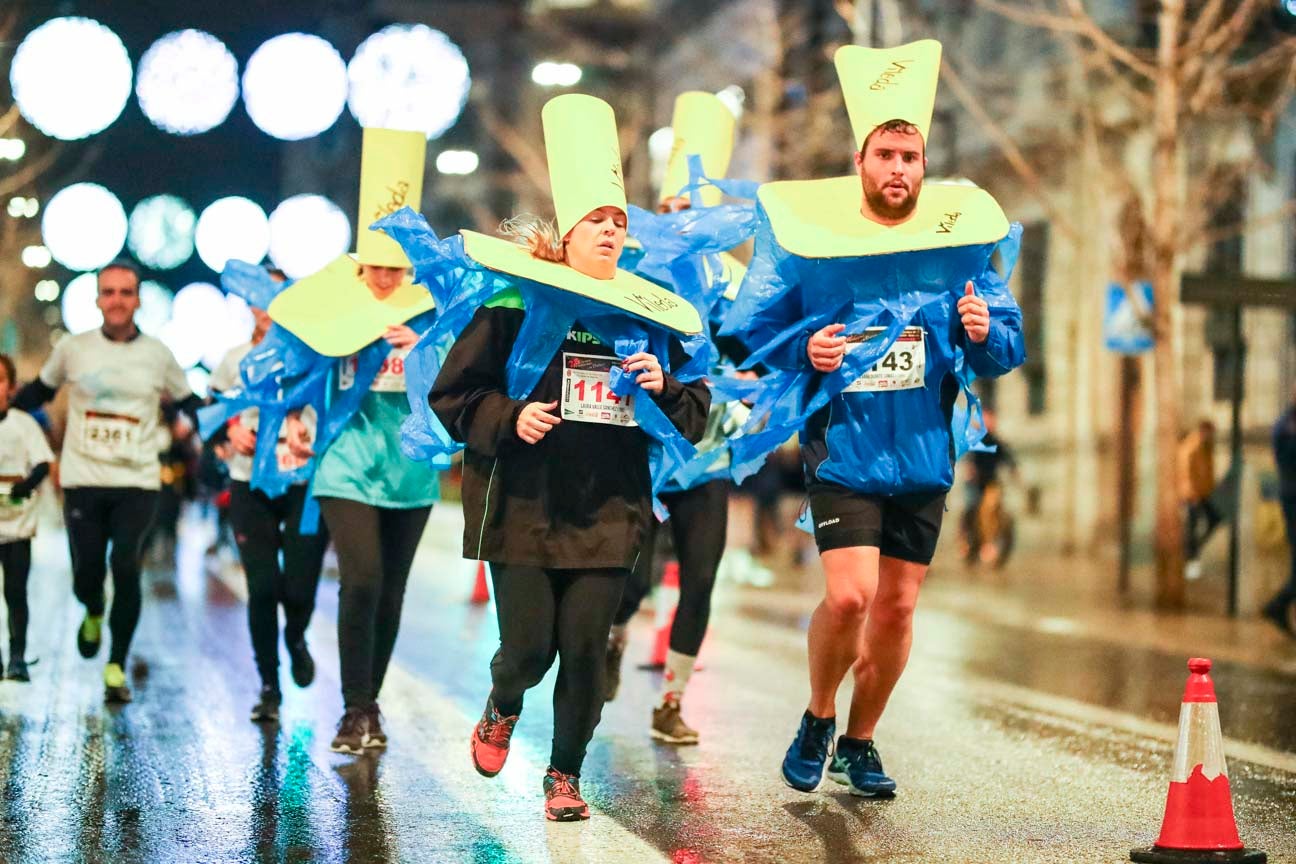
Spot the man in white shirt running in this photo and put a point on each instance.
(117, 379)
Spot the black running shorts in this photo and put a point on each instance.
(900, 526)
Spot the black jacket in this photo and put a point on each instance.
(582, 497)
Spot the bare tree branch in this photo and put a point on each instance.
(1228, 232)
(9, 119)
(1079, 23)
(1202, 27)
(527, 155)
(29, 172)
(1009, 149)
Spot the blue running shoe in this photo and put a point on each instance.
(803, 765)
(860, 768)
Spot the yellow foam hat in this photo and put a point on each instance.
(334, 312)
(584, 155)
(703, 127)
(391, 177)
(881, 84)
(821, 219)
(625, 290)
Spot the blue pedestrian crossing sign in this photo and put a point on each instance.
(1126, 327)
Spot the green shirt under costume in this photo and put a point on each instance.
(365, 463)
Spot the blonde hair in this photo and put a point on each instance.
(538, 236)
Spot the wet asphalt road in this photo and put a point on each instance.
(1009, 743)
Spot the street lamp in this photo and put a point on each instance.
(550, 74)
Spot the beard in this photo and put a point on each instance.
(878, 203)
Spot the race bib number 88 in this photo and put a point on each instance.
(903, 367)
(587, 395)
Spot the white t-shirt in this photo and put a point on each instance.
(226, 377)
(22, 448)
(114, 401)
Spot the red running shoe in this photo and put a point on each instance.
(563, 801)
(490, 741)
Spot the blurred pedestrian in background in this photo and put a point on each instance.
(1279, 607)
(1196, 459)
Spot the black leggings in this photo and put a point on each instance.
(545, 614)
(15, 560)
(375, 547)
(699, 520)
(96, 516)
(264, 526)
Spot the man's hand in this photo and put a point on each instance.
(535, 421)
(298, 438)
(651, 377)
(400, 336)
(826, 349)
(976, 315)
(242, 439)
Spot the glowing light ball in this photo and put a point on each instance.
(47, 290)
(235, 328)
(183, 341)
(35, 257)
(408, 76)
(306, 233)
(155, 307)
(457, 162)
(232, 228)
(71, 77)
(161, 232)
(187, 82)
(294, 86)
(78, 304)
(84, 226)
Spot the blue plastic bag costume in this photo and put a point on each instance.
(446, 269)
(889, 442)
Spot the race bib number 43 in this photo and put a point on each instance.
(110, 437)
(587, 395)
(903, 367)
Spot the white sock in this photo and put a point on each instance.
(679, 667)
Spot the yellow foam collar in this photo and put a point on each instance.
(821, 219)
(625, 291)
(334, 312)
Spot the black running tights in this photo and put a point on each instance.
(375, 547)
(263, 527)
(548, 614)
(15, 560)
(699, 520)
(95, 517)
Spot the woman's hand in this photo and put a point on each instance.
(242, 439)
(400, 336)
(535, 421)
(651, 377)
(298, 437)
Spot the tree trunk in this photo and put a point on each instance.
(1166, 219)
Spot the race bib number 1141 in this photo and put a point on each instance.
(587, 395)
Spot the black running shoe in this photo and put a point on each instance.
(303, 665)
(353, 728)
(612, 675)
(266, 710)
(376, 737)
(17, 670)
(89, 633)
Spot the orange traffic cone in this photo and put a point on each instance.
(481, 592)
(664, 606)
(1198, 824)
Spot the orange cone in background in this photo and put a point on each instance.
(1198, 824)
(665, 603)
(481, 592)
